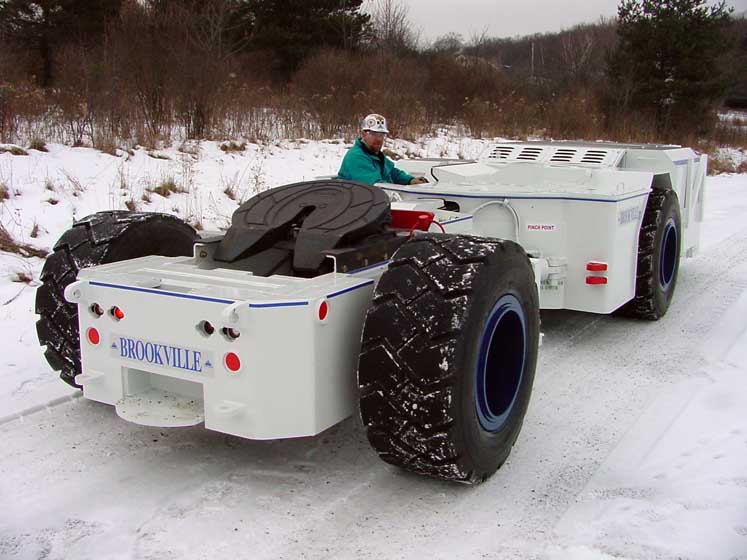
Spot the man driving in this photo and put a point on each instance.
(366, 163)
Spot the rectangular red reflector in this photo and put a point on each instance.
(596, 266)
(596, 280)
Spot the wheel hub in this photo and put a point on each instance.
(500, 366)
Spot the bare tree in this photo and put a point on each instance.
(392, 29)
(576, 48)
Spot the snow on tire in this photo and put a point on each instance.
(658, 257)
(100, 238)
(448, 355)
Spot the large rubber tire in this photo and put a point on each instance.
(100, 238)
(659, 243)
(448, 356)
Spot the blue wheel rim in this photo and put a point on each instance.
(500, 364)
(668, 255)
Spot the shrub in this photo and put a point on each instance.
(105, 143)
(229, 147)
(38, 144)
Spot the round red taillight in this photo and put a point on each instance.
(117, 313)
(323, 310)
(93, 336)
(232, 362)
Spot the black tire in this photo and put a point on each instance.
(100, 238)
(658, 257)
(448, 356)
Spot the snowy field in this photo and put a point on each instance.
(634, 446)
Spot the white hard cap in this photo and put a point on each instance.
(374, 123)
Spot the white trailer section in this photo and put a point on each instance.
(575, 208)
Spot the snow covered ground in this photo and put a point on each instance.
(635, 444)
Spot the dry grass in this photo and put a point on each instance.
(157, 155)
(131, 205)
(166, 188)
(4, 192)
(52, 201)
(34, 231)
(75, 184)
(146, 197)
(718, 165)
(10, 245)
(13, 150)
(720, 162)
(22, 277)
(190, 148)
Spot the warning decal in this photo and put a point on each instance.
(542, 227)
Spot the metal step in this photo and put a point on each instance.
(156, 407)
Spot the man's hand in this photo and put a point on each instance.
(418, 180)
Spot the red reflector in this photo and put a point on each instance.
(596, 267)
(323, 310)
(596, 280)
(232, 362)
(117, 313)
(93, 336)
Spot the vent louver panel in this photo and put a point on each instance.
(563, 155)
(553, 154)
(501, 152)
(529, 154)
(594, 156)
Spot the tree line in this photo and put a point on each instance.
(114, 72)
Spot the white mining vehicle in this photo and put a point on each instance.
(418, 305)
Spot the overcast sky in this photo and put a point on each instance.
(507, 18)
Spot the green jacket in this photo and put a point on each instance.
(362, 165)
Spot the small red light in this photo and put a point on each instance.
(93, 336)
(596, 267)
(117, 313)
(596, 280)
(323, 310)
(232, 362)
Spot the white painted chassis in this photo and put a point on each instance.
(298, 373)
